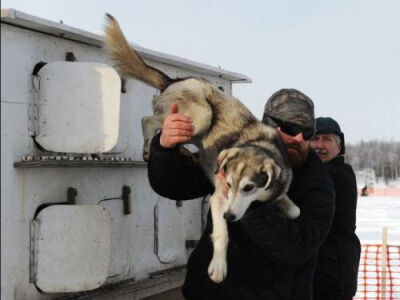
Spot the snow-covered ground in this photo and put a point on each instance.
(374, 213)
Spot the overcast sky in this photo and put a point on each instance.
(345, 55)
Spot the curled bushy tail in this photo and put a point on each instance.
(127, 60)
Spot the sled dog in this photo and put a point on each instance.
(228, 136)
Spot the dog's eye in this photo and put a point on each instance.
(229, 185)
(248, 187)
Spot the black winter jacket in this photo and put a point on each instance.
(339, 256)
(269, 257)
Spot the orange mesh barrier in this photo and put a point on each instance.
(379, 273)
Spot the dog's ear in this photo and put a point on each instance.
(272, 169)
(225, 156)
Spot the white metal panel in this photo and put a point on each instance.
(170, 239)
(72, 247)
(78, 107)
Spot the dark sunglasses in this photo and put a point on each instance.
(293, 129)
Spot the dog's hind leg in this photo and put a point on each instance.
(218, 266)
(287, 207)
(191, 97)
(201, 115)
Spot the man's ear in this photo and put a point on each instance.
(340, 149)
(225, 156)
(272, 169)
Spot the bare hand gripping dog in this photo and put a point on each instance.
(228, 136)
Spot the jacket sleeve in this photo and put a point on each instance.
(293, 242)
(346, 196)
(175, 176)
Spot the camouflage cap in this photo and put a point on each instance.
(292, 106)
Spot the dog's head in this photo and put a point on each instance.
(250, 175)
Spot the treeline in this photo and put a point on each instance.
(381, 156)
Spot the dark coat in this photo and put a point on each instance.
(339, 256)
(269, 257)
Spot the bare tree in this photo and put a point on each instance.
(382, 156)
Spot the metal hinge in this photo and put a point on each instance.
(33, 108)
(34, 233)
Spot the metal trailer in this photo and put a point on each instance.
(84, 225)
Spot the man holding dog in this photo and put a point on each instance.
(336, 273)
(269, 256)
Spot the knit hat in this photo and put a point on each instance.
(292, 106)
(329, 125)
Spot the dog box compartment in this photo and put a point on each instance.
(78, 107)
(134, 270)
(70, 246)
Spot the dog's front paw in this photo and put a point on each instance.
(217, 269)
(293, 212)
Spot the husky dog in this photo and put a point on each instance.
(228, 136)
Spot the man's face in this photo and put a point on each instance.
(297, 147)
(325, 145)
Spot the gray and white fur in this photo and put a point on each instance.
(228, 136)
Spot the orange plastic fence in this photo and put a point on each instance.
(387, 191)
(379, 273)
